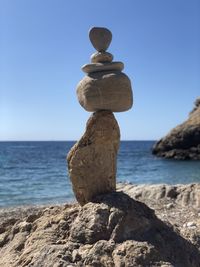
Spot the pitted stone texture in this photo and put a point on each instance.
(118, 225)
(92, 160)
(114, 216)
(95, 67)
(113, 231)
(105, 91)
(101, 57)
(100, 38)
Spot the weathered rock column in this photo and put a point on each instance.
(92, 161)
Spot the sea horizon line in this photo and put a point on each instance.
(126, 140)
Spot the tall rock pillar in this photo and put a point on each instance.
(92, 161)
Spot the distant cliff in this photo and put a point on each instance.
(182, 142)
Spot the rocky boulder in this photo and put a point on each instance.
(183, 142)
(113, 231)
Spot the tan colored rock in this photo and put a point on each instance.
(105, 87)
(101, 57)
(100, 38)
(92, 160)
(182, 195)
(94, 67)
(113, 231)
(105, 91)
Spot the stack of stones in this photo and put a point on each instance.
(104, 90)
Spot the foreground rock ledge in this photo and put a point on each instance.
(115, 230)
(183, 142)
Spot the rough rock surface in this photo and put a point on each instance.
(183, 142)
(182, 195)
(105, 91)
(92, 160)
(114, 230)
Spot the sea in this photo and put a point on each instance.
(35, 173)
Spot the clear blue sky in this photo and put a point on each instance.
(43, 45)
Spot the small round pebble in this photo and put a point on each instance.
(169, 206)
(191, 224)
(101, 57)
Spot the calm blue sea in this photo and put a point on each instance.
(36, 172)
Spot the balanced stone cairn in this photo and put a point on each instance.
(104, 90)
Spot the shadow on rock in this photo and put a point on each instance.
(140, 238)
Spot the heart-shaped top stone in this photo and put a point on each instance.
(100, 38)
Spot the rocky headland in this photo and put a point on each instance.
(182, 142)
(143, 225)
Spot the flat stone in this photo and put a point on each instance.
(100, 38)
(94, 67)
(92, 160)
(105, 91)
(101, 57)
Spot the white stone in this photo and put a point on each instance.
(169, 206)
(191, 224)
